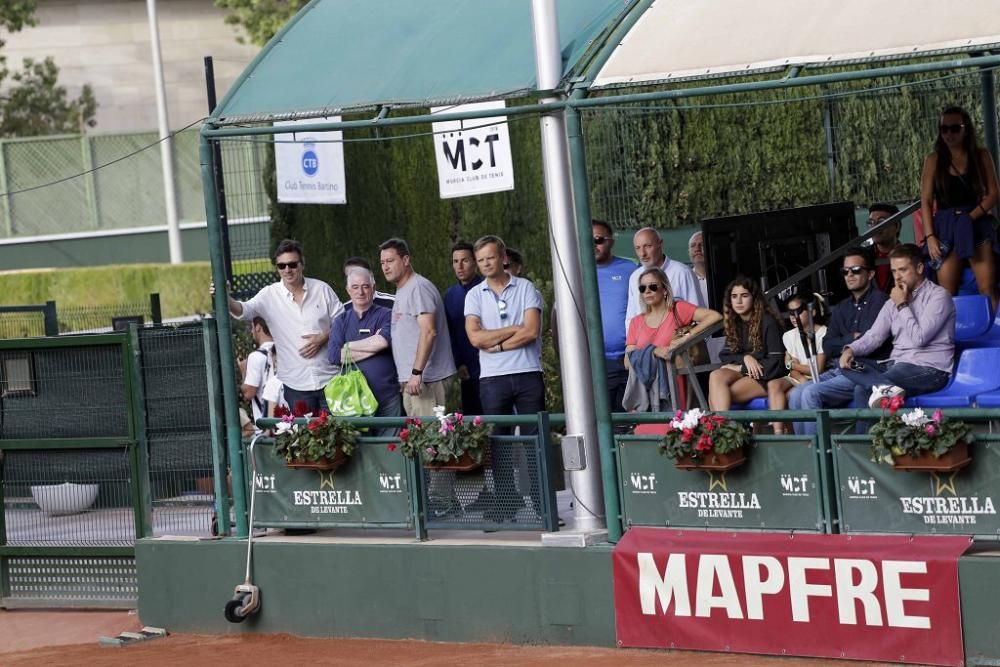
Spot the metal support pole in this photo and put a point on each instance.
(166, 142)
(831, 155)
(604, 446)
(51, 319)
(230, 401)
(220, 182)
(155, 310)
(576, 376)
(990, 133)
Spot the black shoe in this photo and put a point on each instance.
(483, 502)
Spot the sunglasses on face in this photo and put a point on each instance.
(599, 240)
(653, 287)
(952, 129)
(287, 265)
(852, 270)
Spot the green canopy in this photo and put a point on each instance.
(351, 54)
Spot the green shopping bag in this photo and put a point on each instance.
(348, 394)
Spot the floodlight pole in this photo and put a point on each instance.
(578, 395)
(166, 143)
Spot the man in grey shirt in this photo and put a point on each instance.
(920, 317)
(421, 345)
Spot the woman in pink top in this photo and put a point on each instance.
(662, 317)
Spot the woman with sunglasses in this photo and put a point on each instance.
(959, 183)
(796, 356)
(663, 316)
(754, 353)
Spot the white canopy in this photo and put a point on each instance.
(679, 39)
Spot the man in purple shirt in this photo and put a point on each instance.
(920, 317)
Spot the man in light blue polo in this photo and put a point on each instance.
(503, 319)
(613, 275)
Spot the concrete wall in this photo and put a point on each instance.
(106, 43)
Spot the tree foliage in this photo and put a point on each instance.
(261, 19)
(31, 100)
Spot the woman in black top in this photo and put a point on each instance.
(959, 178)
(754, 352)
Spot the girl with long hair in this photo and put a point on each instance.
(960, 180)
(754, 353)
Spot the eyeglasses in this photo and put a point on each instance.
(598, 240)
(953, 129)
(652, 287)
(852, 270)
(286, 265)
(876, 221)
(502, 307)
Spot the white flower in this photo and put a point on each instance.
(916, 418)
(691, 418)
(285, 427)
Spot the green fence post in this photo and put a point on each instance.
(6, 205)
(546, 467)
(154, 308)
(216, 421)
(51, 319)
(89, 179)
(595, 330)
(828, 486)
(139, 448)
(234, 438)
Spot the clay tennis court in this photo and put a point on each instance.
(66, 638)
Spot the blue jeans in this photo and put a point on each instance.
(522, 394)
(833, 390)
(314, 399)
(913, 379)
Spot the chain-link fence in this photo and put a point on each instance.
(31, 321)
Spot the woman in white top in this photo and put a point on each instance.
(796, 360)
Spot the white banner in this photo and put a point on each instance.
(473, 155)
(310, 170)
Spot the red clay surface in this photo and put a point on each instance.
(30, 638)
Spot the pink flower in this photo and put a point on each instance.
(895, 403)
(446, 428)
(287, 418)
(687, 436)
(431, 450)
(459, 417)
(930, 429)
(477, 420)
(704, 443)
(404, 434)
(938, 416)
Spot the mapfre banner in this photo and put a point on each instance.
(833, 596)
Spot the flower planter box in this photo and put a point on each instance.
(955, 458)
(719, 462)
(464, 463)
(339, 459)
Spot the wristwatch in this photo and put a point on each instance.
(416, 371)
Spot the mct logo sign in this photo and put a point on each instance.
(861, 488)
(643, 483)
(310, 161)
(795, 485)
(390, 483)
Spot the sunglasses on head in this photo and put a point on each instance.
(598, 240)
(286, 265)
(652, 287)
(852, 270)
(953, 129)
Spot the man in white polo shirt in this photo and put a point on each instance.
(503, 319)
(683, 281)
(298, 311)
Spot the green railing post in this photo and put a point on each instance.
(154, 308)
(828, 490)
(416, 471)
(217, 426)
(225, 336)
(595, 329)
(142, 503)
(51, 319)
(550, 507)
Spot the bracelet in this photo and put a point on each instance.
(930, 236)
(500, 345)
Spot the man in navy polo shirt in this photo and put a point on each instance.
(503, 319)
(364, 328)
(463, 263)
(613, 275)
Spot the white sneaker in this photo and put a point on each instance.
(881, 391)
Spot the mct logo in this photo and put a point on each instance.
(795, 485)
(455, 151)
(643, 483)
(310, 161)
(264, 483)
(390, 483)
(861, 488)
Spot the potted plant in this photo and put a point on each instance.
(699, 441)
(323, 443)
(448, 442)
(914, 441)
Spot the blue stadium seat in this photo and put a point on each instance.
(754, 404)
(990, 399)
(973, 318)
(989, 339)
(976, 374)
(968, 284)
